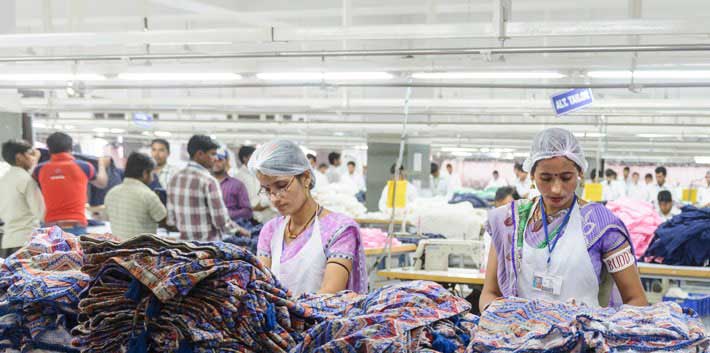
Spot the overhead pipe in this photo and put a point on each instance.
(371, 52)
(403, 84)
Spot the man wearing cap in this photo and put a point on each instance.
(195, 204)
(234, 192)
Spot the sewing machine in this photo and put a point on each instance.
(436, 254)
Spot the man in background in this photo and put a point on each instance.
(505, 195)
(496, 182)
(334, 173)
(522, 181)
(132, 207)
(665, 205)
(356, 178)
(260, 205)
(236, 197)
(64, 182)
(21, 205)
(160, 151)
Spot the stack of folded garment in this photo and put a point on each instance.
(409, 317)
(374, 238)
(640, 218)
(39, 293)
(523, 325)
(684, 240)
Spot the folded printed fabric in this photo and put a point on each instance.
(640, 218)
(39, 293)
(408, 317)
(684, 240)
(152, 294)
(522, 325)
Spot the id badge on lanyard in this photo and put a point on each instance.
(545, 281)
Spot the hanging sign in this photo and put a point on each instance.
(572, 100)
(143, 120)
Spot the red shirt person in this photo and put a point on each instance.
(64, 181)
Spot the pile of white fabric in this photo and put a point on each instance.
(454, 221)
(340, 197)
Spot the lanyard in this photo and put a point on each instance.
(551, 247)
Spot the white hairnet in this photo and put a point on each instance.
(280, 158)
(555, 142)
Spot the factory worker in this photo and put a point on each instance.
(556, 246)
(411, 191)
(310, 249)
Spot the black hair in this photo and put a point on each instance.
(434, 168)
(610, 173)
(495, 172)
(333, 156)
(665, 196)
(351, 163)
(137, 164)
(59, 142)
(449, 165)
(518, 167)
(11, 148)
(322, 165)
(648, 176)
(163, 142)
(311, 157)
(200, 143)
(245, 153)
(401, 168)
(661, 170)
(627, 168)
(593, 173)
(635, 173)
(504, 192)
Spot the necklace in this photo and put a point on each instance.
(295, 234)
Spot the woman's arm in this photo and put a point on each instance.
(491, 291)
(336, 276)
(620, 263)
(266, 261)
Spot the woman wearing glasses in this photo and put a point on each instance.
(309, 249)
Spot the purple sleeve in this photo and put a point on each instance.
(263, 247)
(35, 173)
(243, 209)
(612, 240)
(344, 245)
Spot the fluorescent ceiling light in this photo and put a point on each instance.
(180, 76)
(589, 134)
(461, 154)
(323, 76)
(702, 160)
(38, 125)
(117, 131)
(163, 133)
(491, 75)
(101, 129)
(459, 149)
(658, 74)
(51, 77)
(651, 136)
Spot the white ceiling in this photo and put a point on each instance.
(59, 36)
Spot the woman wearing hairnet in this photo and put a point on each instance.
(556, 246)
(308, 248)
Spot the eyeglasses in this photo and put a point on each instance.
(276, 192)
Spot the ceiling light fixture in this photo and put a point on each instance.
(702, 159)
(652, 136)
(179, 76)
(163, 133)
(491, 75)
(651, 74)
(51, 77)
(323, 76)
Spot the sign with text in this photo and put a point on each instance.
(572, 100)
(143, 120)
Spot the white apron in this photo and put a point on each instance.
(570, 262)
(304, 272)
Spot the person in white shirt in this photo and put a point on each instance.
(334, 174)
(666, 209)
(356, 178)
(439, 183)
(321, 178)
(704, 193)
(613, 189)
(522, 181)
(260, 205)
(21, 205)
(627, 179)
(497, 182)
(635, 189)
(160, 151)
(661, 185)
(649, 187)
(411, 190)
(453, 178)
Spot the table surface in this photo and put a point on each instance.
(395, 250)
(452, 275)
(684, 272)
